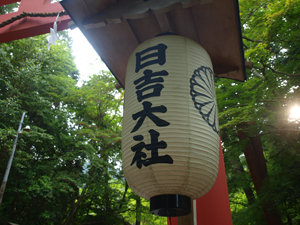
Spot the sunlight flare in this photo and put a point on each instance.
(295, 112)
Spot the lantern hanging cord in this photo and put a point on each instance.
(25, 14)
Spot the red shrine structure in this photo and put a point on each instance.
(31, 26)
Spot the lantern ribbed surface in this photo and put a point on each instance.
(184, 155)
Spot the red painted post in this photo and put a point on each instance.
(213, 208)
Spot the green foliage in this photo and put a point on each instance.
(67, 169)
(8, 8)
(260, 107)
(146, 217)
(29, 82)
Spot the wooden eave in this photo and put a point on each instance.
(116, 28)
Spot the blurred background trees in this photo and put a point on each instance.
(259, 118)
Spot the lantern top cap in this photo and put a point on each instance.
(116, 28)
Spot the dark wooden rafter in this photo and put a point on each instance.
(183, 22)
(224, 65)
(150, 23)
(128, 43)
(212, 23)
(135, 10)
(163, 22)
(125, 23)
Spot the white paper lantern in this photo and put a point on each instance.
(170, 139)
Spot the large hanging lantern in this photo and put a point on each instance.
(170, 139)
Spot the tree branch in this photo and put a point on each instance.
(283, 73)
(248, 39)
(258, 74)
(240, 203)
(252, 12)
(245, 46)
(284, 101)
(128, 210)
(277, 131)
(124, 195)
(118, 105)
(76, 205)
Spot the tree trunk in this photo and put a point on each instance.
(75, 206)
(138, 211)
(246, 187)
(13, 206)
(124, 196)
(258, 170)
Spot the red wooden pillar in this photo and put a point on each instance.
(31, 26)
(213, 208)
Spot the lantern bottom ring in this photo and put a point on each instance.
(170, 205)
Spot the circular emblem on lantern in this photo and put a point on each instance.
(203, 93)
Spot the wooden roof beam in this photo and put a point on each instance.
(138, 9)
(163, 22)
